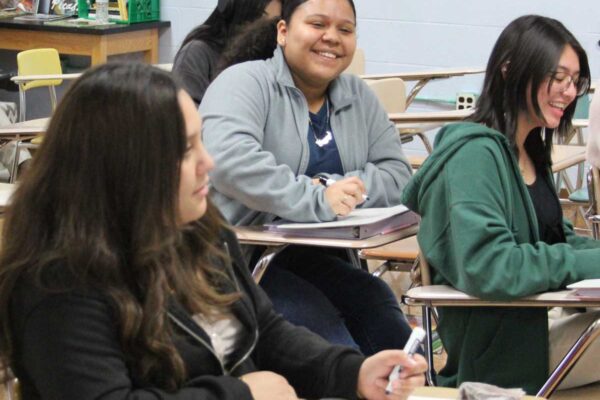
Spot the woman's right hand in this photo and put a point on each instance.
(344, 195)
(266, 385)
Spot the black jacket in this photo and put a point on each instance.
(67, 347)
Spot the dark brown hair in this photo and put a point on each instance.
(97, 210)
(225, 21)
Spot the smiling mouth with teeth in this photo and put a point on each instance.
(327, 55)
(558, 105)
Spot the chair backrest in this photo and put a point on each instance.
(39, 62)
(391, 92)
(357, 66)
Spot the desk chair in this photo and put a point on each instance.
(564, 158)
(429, 296)
(38, 62)
(593, 213)
(391, 93)
(422, 78)
(357, 66)
(397, 256)
(37, 68)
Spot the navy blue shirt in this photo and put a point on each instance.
(324, 159)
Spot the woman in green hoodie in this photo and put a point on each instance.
(492, 225)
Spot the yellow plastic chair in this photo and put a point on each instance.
(35, 62)
(38, 62)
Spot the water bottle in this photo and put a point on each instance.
(102, 11)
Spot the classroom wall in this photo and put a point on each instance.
(406, 35)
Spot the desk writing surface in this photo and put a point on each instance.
(433, 74)
(433, 116)
(6, 191)
(25, 128)
(443, 295)
(565, 156)
(430, 393)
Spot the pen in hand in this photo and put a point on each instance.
(410, 348)
(328, 182)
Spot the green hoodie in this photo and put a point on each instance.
(480, 235)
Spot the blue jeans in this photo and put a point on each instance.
(319, 289)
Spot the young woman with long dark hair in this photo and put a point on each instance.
(491, 222)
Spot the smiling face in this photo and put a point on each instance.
(553, 95)
(318, 42)
(195, 165)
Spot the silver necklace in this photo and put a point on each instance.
(328, 135)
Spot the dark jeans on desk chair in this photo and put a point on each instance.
(319, 288)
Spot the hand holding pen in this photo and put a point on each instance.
(410, 348)
(373, 377)
(344, 195)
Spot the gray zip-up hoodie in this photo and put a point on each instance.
(255, 125)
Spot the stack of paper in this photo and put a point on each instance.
(359, 224)
(586, 289)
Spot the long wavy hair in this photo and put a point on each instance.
(97, 210)
(528, 49)
(225, 21)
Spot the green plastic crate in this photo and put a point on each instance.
(138, 10)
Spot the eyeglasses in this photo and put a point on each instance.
(563, 80)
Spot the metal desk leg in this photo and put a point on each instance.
(570, 359)
(265, 259)
(416, 89)
(356, 260)
(429, 375)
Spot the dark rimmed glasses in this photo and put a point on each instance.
(562, 80)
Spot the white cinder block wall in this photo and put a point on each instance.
(407, 35)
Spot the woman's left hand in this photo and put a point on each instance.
(375, 370)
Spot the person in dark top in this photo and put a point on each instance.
(491, 222)
(120, 280)
(196, 63)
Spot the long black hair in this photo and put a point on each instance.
(256, 41)
(526, 52)
(225, 21)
